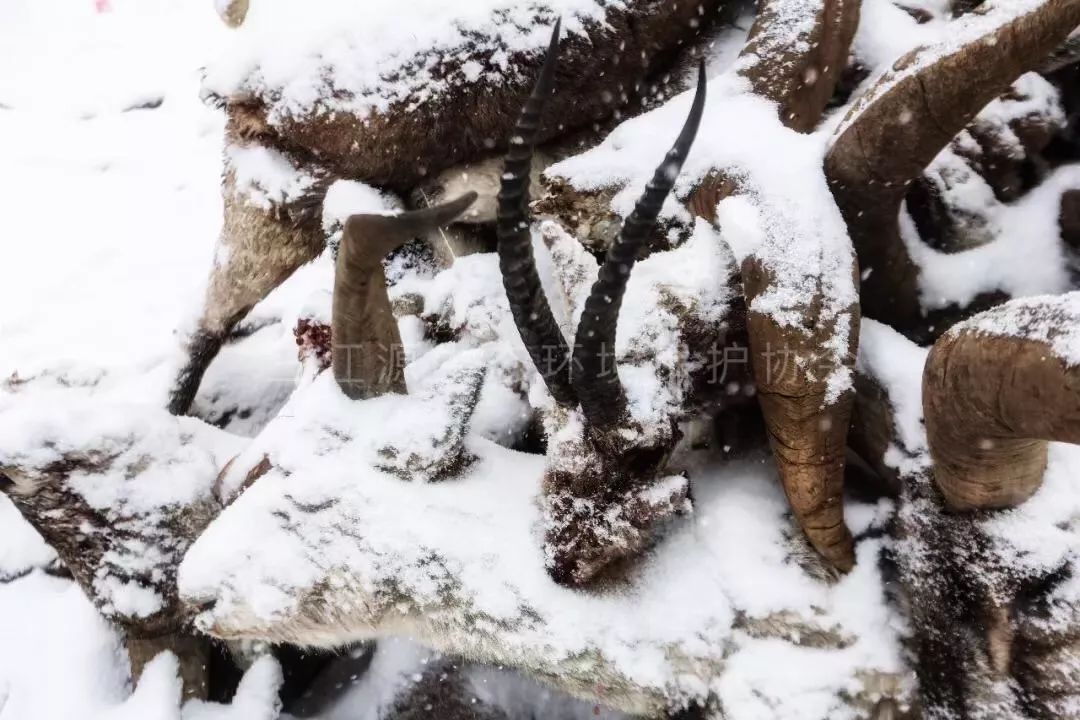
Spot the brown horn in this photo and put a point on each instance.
(366, 341)
(910, 116)
(993, 400)
(593, 373)
(532, 313)
(799, 73)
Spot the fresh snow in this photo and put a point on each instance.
(266, 177)
(1025, 258)
(896, 364)
(959, 32)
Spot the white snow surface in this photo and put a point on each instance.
(952, 38)
(142, 468)
(896, 364)
(48, 623)
(266, 177)
(1025, 258)
(112, 216)
(21, 549)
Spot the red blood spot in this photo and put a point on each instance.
(313, 341)
(102, 6)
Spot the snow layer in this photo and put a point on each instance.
(266, 177)
(341, 56)
(138, 468)
(21, 549)
(116, 231)
(327, 548)
(113, 211)
(62, 660)
(897, 364)
(1025, 258)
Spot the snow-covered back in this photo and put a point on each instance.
(135, 467)
(331, 56)
(336, 554)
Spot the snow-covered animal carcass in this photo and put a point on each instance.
(627, 558)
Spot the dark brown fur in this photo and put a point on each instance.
(982, 637)
(398, 148)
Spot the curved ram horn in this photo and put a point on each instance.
(366, 342)
(593, 374)
(906, 119)
(532, 314)
(993, 398)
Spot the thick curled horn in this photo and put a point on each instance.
(366, 342)
(903, 122)
(996, 388)
(532, 314)
(593, 373)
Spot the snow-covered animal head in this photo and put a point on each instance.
(607, 487)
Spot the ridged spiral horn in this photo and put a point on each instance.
(593, 374)
(532, 314)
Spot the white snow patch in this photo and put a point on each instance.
(21, 548)
(265, 177)
(1026, 258)
(897, 364)
(951, 39)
